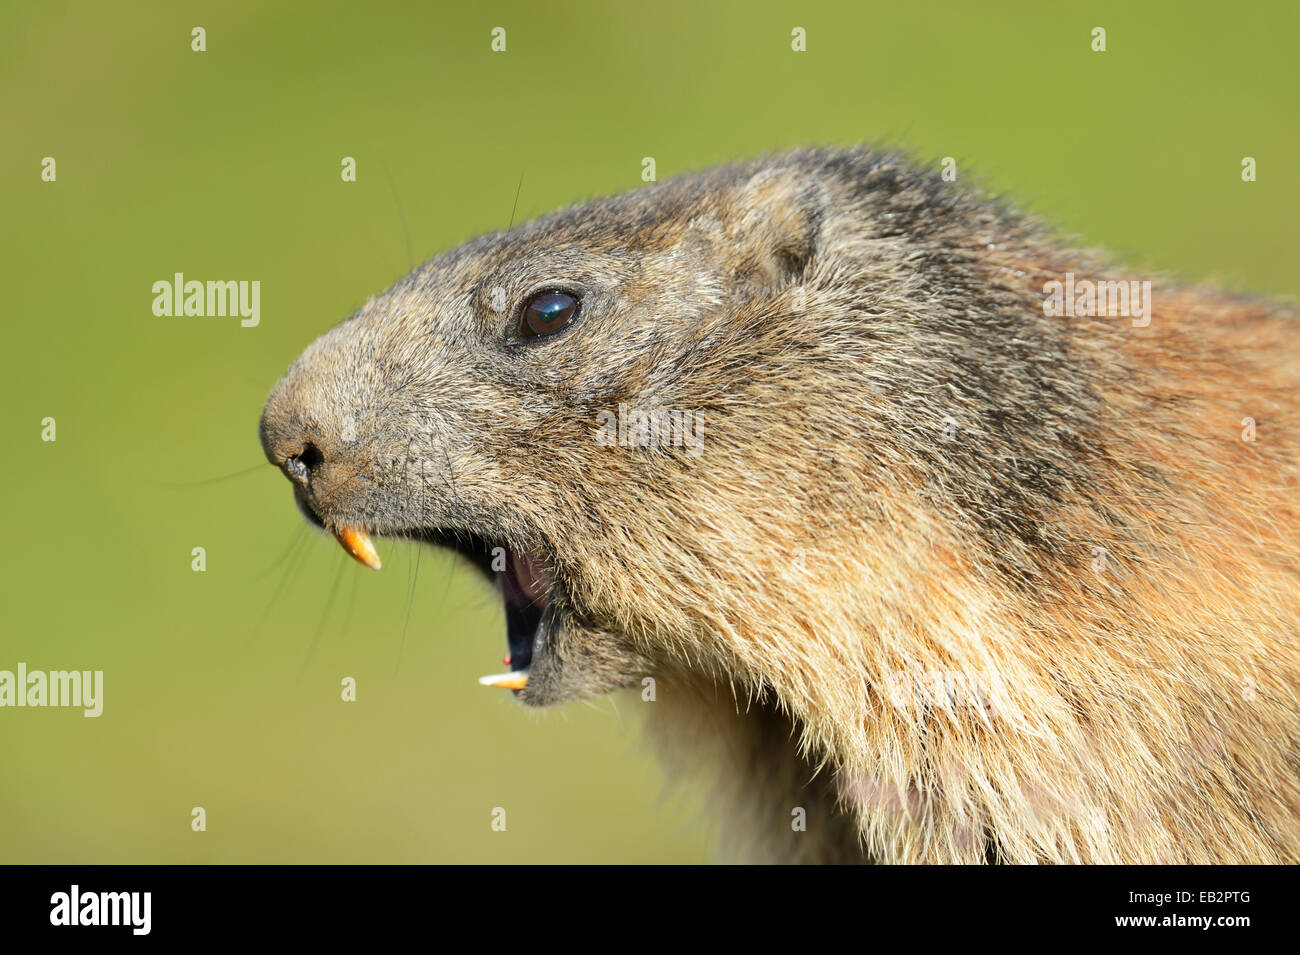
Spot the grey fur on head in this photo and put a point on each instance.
(905, 468)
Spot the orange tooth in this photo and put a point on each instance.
(357, 543)
(509, 681)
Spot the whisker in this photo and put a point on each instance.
(297, 550)
(215, 480)
(320, 627)
(294, 540)
(515, 207)
(352, 601)
(411, 577)
(392, 185)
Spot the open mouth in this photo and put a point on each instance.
(525, 590)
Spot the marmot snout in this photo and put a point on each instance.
(963, 576)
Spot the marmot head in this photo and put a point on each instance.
(553, 401)
(645, 415)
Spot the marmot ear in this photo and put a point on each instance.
(771, 221)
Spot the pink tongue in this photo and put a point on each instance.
(531, 576)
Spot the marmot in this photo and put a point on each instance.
(922, 567)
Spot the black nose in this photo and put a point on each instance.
(304, 464)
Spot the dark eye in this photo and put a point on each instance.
(546, 313)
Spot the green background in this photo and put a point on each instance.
(222, 688)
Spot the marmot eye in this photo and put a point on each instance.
(546, 313)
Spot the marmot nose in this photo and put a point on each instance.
(301, 466)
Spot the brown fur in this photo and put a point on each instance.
(907, 472)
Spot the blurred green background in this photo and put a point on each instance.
(222, 688)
